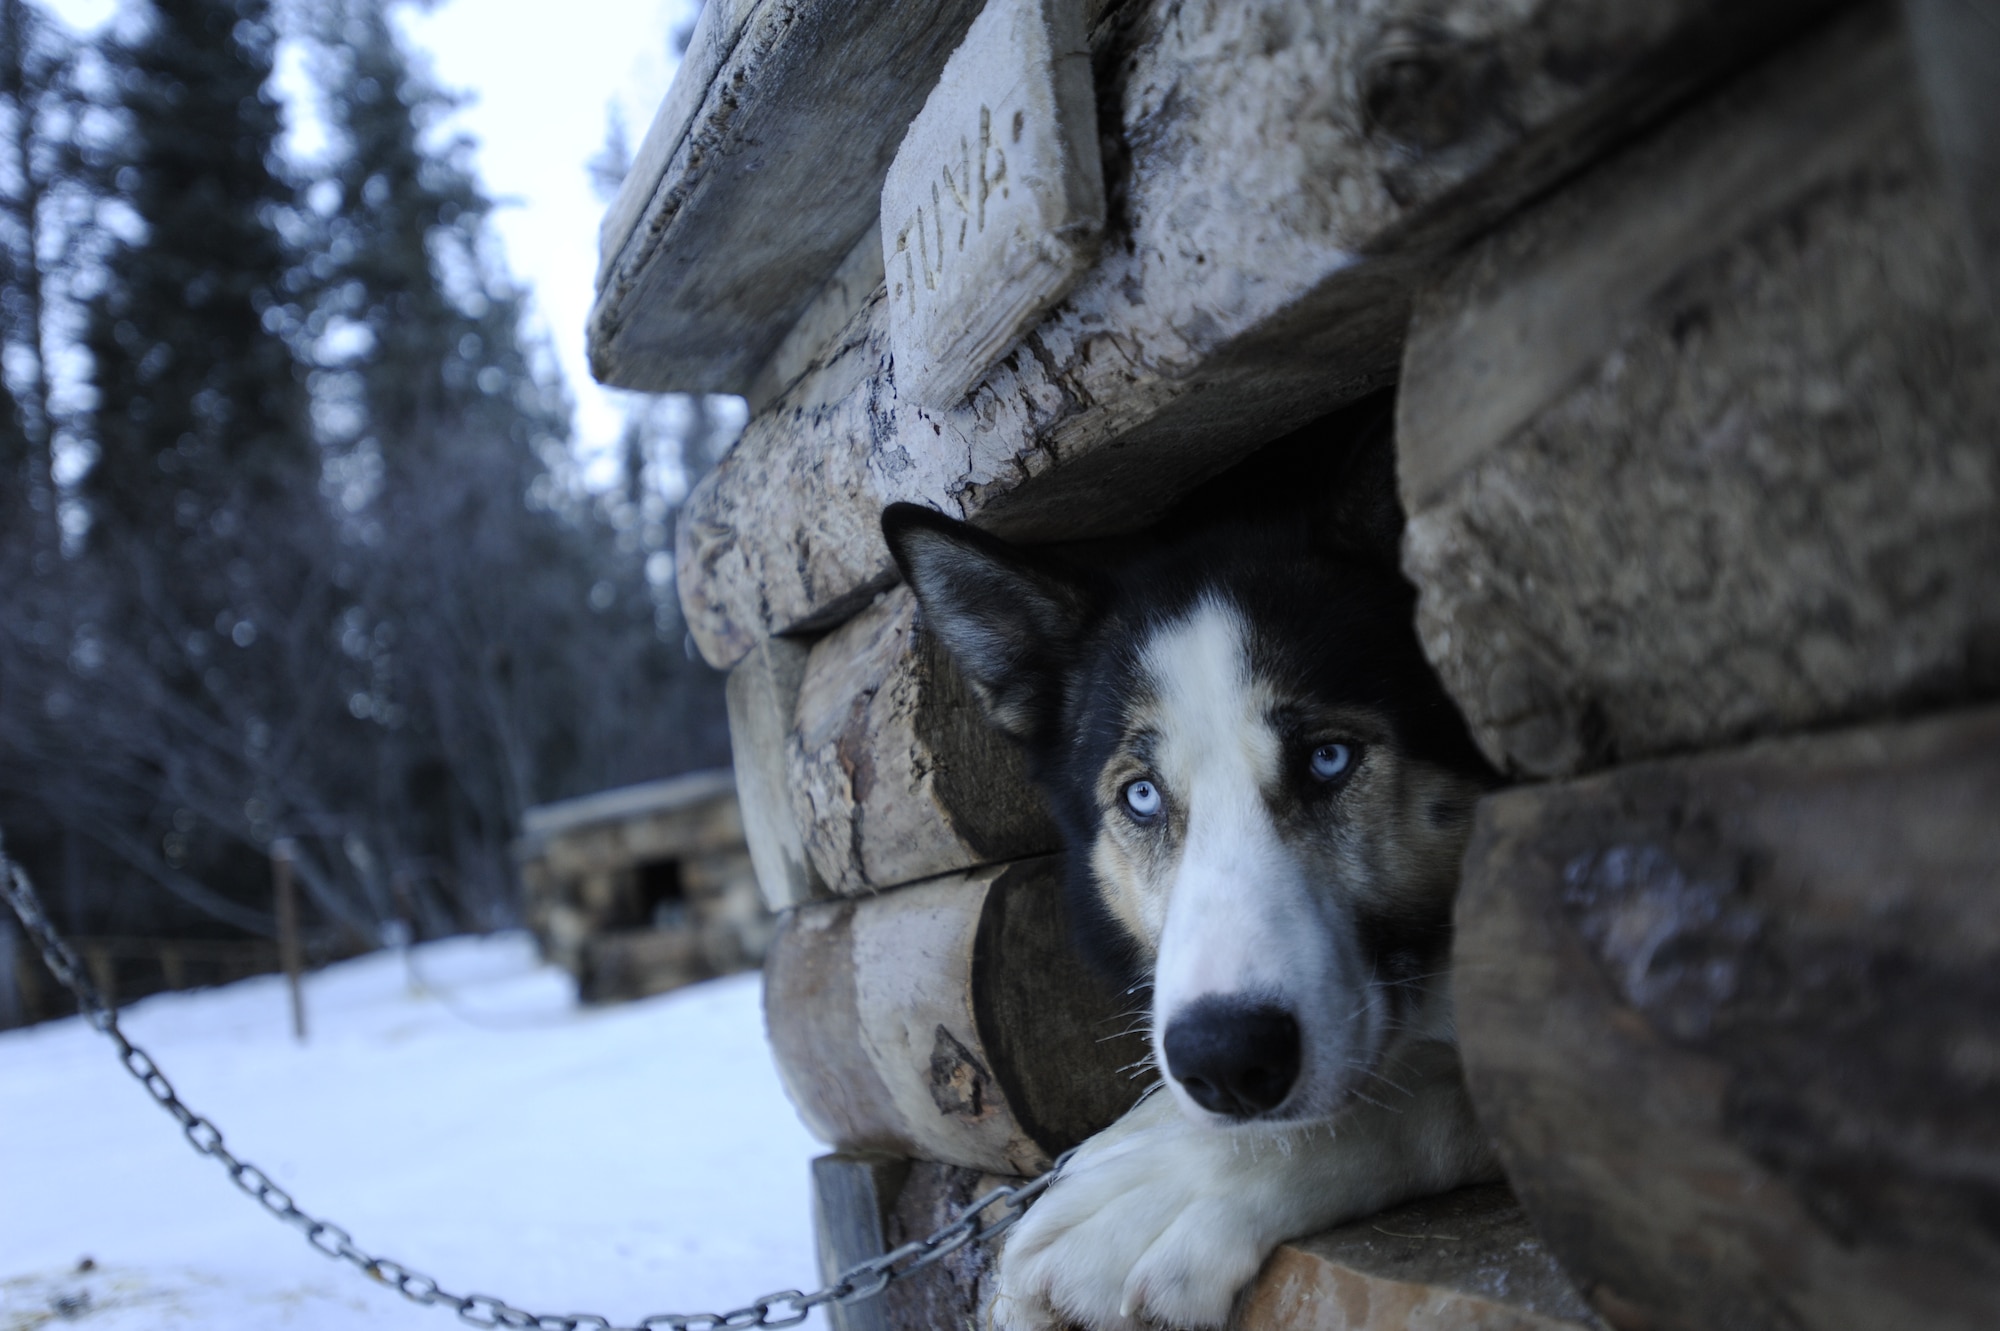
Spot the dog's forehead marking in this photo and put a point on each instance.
(1210, 713)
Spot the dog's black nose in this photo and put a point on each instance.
(1233, 1056)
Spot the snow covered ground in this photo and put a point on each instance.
(479, 1127)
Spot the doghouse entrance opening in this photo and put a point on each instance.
(662, 896)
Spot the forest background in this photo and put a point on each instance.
(292, 543)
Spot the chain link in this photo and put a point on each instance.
(863, 1280)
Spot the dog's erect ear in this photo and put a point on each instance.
(1008, 618)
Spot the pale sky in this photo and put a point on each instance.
(542, 77)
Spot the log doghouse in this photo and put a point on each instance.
(643, 889)
(1689, 312)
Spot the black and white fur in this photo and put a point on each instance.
(1265, 795)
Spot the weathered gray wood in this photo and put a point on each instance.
(833, 307)
(713, 39)
(950, 1021)
(691, 814)
(995, 201)
(759, 176)
(956, 1291)
(1957, 47)
(853, 1194)
(285, 910)
(1734, 1023)
(1466, 1261)
(643, 888)
(895, 774)
(762, 695)
(1709, 445)
(1545, 301)
(1281, 171)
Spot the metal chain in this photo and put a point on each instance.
(863, 1280)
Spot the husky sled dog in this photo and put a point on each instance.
(1265, 795)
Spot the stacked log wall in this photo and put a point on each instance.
(1698, 411)
(1702, 458)
(1257, 275)
(1709, 446)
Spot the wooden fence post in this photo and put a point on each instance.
(13, 989)
(287, 912)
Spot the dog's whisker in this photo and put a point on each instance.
(1139, 1027)
(1393, 1085)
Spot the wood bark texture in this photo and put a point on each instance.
(950, 1021)
(1735, 1024)
(763, 695)
(1279, 174)
(1709, 445)
(894, 773)
(954, 1293)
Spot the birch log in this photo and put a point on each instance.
(950, 1021)
(894, 773)
(762, 696)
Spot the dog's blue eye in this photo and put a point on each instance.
(1331, 760)
(1143, 799)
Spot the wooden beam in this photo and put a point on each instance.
(852, 288)
(1280, 173)
(761, 172)
(853, 1194)
(950, 1021)
(1708, 445)
(894, 772)
(285, 911)
(1466, 1261)
(995, 201)
(1733, 1020)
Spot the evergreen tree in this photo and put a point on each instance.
(336, 580)
(203, 587)
(198, 403)
(404, 215)
(504, 643)
(38, 103)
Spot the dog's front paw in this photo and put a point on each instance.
(1158, 1221)
(1155, 1228)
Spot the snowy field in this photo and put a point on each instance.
(478, 1127)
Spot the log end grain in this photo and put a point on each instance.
(1733, 1023)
